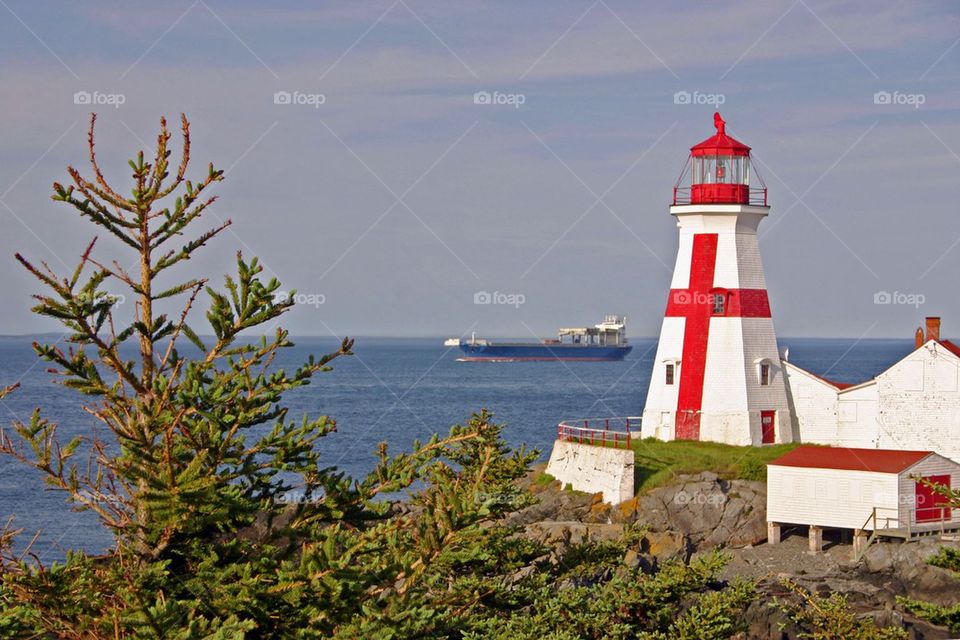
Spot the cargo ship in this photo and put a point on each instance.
(606, 341)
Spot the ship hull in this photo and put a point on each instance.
(541, 352)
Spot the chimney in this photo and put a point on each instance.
(918, 338)
(933, 328)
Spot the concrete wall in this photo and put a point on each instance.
(593, 469)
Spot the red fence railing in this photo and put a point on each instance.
(603, 432)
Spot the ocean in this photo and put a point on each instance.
(394, 390)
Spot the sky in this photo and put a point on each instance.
(367, 169)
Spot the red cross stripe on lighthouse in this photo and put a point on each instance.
(698, 304)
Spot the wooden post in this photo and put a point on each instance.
(860, 538)
(773, 533)
(816, 539)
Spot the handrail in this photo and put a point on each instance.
(600, 432)
(911, 524)
(627, 422)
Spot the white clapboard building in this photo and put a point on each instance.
(914, 404)
(859, 489)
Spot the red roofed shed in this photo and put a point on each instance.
(859, 489)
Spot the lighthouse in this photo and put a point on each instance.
(717, 374)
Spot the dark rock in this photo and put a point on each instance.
(712, 512)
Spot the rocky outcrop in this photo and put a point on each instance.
(708, 511)
(711, 511)
(700, 512)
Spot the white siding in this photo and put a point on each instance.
(828, 497)
(724, 380)
(749, 264)
(681, 270)
(919, 404)
(814, 406)
(857, 415)
(726, 272)
(662, 398)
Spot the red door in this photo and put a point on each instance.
(768, 424)
(929, 507)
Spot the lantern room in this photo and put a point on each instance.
(720, 173)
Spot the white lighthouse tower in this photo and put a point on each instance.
(717, 374)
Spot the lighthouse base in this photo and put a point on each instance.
(745, 428)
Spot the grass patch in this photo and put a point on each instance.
(659, 462)
(543, 479)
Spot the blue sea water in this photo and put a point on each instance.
(393, 390)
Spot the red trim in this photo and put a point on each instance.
(951, 347)
(695, 307)
(740, 303)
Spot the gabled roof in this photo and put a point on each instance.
(875, 460)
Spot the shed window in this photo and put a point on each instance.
(719, 304)
(764, 373)
(669, 373)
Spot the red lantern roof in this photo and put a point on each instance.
(720, 144)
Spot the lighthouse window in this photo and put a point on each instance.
(764, 374)
(719, 303)
(670, 370)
